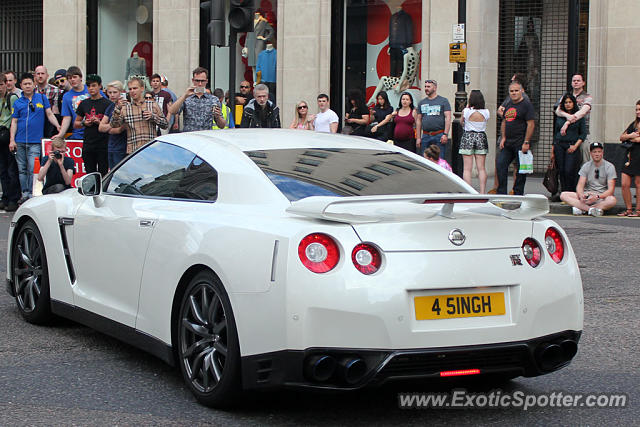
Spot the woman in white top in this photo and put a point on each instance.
(474, 139)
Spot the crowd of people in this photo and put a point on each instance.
(115, 119)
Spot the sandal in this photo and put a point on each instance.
(634, 214)
(627, 212)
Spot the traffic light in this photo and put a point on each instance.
(241, 15)
(216, 26)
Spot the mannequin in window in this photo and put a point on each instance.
(266, 68)
(527, 60)
(402, 83)
(400, 37)
(257, 40)
(136, 66)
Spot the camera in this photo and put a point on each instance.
(199, 90)
(57, 154)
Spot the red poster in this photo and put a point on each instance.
(74, 150)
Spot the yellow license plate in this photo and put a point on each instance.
(461, 305)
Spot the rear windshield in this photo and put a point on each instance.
(304, 172)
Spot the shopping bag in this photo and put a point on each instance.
(550, 180)
(526, 162)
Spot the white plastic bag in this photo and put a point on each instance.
(526, 162)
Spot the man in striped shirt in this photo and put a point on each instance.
(140, 117)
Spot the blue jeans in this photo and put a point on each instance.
(26, 156)
(115, 157)
(506, 156)
(427, 140)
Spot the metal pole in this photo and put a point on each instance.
(461, 100)
(233, 37)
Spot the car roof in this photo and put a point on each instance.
(270, 139)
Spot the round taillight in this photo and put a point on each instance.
(531, 252)
(318, 252)
(366, 258)
(554, 243)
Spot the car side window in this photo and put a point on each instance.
(165, 170)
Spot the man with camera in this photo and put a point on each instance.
(57, 169)
(200, 109)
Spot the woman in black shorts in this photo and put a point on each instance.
(632, 167)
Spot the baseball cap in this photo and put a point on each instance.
(595, 145)
(60, 73)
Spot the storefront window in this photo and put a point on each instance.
(125, 42)
(383, 47)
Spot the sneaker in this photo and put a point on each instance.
(23, 199)
(595, 212)
(577, 211)
(3, 205)
(11, 207)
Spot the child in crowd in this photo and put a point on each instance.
(433, 153)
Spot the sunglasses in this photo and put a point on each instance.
(61, 80)
(300, 107)
(597, 173)
(433, 82)
(200, 81)
(244, 87)
(32, 107)
(148, 97)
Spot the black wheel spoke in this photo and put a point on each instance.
(205, 301)
(196, 329)
(195, 310)
(220, 326)
(220, 348)
(217, 369)
(31, 297)
(196, 346)
(197, 364)
(213, 311)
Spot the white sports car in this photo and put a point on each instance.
(266, 258)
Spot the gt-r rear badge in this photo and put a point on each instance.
(457, 237)
(515, 260)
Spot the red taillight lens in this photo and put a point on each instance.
(531, 251)
(554, 243)
(366, 258)
(459, 372)
(319, 252)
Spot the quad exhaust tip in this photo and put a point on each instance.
(353, 369)
(550, 356)
(323, 367)
(320, 367)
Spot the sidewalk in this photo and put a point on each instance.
(534, 186)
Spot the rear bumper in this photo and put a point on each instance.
(292, 368)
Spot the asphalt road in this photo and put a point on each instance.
(71, 375)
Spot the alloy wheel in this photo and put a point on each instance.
(203, 337)
(27, 269)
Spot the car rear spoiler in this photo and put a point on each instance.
(363, 209)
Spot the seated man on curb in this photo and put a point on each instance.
(57, 169)
(594, 192)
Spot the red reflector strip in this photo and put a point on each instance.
(437, 201)
(459, 372)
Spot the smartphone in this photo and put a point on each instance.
(199, 90)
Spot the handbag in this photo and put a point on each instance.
(626, 145)
(550, 180)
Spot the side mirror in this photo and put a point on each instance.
(90, 185)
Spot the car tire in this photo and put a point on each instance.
(208, 350)
(31, 275)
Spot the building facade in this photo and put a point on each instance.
(334, 46)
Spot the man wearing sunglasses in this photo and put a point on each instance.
(594, 192)
(245, 95)
(27, 129)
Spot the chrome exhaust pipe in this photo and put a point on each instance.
(353, 369)
(320, 367)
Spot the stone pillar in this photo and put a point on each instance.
(176, 27)
(64, 40)
(303, 43)
(613, 63)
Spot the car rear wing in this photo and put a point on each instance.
(364, 209)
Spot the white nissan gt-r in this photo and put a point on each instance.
(267, 258)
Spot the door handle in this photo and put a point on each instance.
(147, 223)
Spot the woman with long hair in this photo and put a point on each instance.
(357, 116)
(404, 123)
(474, 143)
(380, 112)
(566, 144)
(301, 117)
(632, 167)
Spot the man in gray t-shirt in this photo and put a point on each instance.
(434, 116)
(594, 192)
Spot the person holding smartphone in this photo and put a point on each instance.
(138, 116)
(200, 109)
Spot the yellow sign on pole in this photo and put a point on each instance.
(457, 52)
